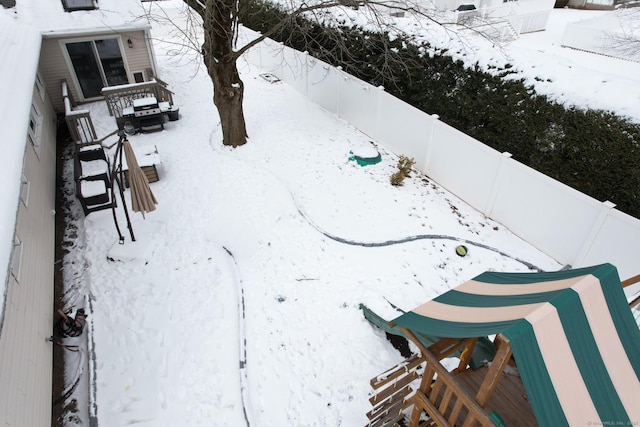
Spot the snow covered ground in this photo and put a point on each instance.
(238, 304)
(568, 76)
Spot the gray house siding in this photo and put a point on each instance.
(55, 64)
(138, 56)
(25, 352)
(54, 70)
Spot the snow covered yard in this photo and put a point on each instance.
(239, 302)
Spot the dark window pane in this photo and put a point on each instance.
(112, 63)
(86, 68)
(138, 77)
(71, 5)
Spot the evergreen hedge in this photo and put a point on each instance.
(595, 152)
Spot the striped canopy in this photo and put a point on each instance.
(572, 333)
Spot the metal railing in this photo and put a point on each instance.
(120, 97)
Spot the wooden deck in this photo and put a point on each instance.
(509, 399)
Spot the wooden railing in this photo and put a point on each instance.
(444, 401)
(631, 281)
(78, 121)
(391, 393)
(122, 96)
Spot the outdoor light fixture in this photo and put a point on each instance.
(130, 43)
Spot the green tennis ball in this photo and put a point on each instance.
(461, 250)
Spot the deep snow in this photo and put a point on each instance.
(237, 305)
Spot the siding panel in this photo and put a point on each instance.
(25, 353)
(138, 56)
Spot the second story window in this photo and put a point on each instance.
(71, 5)
(40, 85)
(34, 131)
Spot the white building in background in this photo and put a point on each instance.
(513, 17)
(592, 4)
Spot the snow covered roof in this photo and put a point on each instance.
(20, 47)
(51, 18)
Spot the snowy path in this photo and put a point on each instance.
(168, 319)
(167, 331)
(242, 343)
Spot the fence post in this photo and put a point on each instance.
(605, 210)
(488, 210)
(380, 92)
(340, 78)
(429, 141)
(305, 73)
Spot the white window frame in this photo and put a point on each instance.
(25, 186)
(40, 85)
(142, 73)
(74, 5)
(35, 129)
(16, 258)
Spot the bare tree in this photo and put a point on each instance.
(220, 21)
(626, 41)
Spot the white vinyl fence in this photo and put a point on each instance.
(569, 226)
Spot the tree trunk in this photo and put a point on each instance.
(220, 59)
(228, 93)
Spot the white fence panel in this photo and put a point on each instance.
(404, 129)
(567, 225)
(254, 55)
(271, 57)
(463, 165)
(294, 69)
(616, 242)
(322, 86)
(546, 213)
(358, 103)
(579, 36)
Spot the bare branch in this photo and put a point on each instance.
(291, 17)
(197, 6)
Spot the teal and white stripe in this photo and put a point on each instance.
(572, 334)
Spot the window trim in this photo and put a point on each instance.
(88, 5)
(40, 85)
(34, 133)
(25, 187)
(142, 74)
(16, 258)
(92, 39)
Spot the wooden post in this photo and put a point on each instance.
(631, 280)
(465, 357)
(500, 361)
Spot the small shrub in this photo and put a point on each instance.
(397, 179)
(405, 164)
